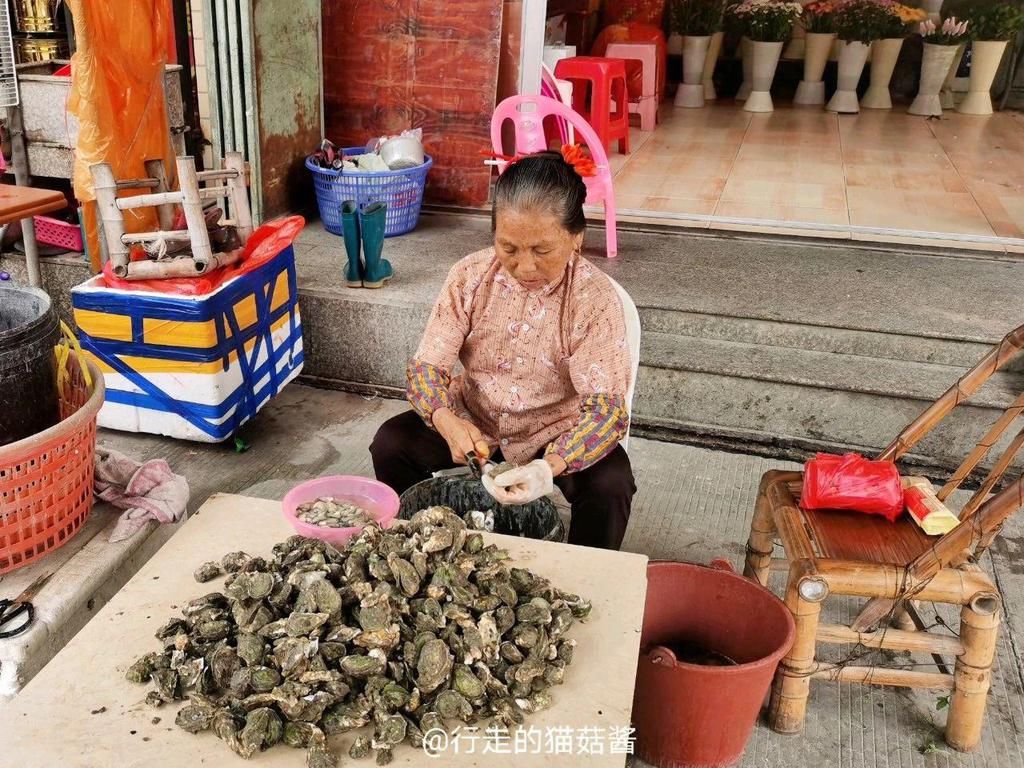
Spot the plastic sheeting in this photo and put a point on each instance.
(117, 94)
(263, 244)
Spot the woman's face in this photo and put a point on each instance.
(533, 246)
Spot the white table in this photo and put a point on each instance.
(50, 722)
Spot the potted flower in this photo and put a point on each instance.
(696, 21)
(941, 46)
(991, 28)
(819, 23)
(858, 24)
(767, 24)
(886, 51)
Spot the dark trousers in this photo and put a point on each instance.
(406, 451)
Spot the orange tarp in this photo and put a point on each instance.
(117, 93)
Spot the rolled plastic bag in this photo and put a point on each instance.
(854, 483)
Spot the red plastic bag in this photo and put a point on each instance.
(263, 244)
(852, 482)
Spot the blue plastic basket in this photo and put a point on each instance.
(402, 191)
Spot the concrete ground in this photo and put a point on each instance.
(693, 504)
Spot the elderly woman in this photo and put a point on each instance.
(540, 334)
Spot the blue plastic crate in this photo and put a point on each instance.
(402, 190)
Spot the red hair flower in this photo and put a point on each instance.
(575, 156)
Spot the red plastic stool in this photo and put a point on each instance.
(604, 81)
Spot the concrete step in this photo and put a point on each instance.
(834, 371)
(894, 346)
(789, 400)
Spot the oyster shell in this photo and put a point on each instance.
(433, 665)
(208, 572)
(360, 748)
(195, 717)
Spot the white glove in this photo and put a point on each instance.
(522, 484)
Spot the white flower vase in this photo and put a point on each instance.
(747, 53)
(946, 94)
(764, 61)
(817, 47)
(986, 55)
(852, 58)
(674, 46)
(710, 61)
(884, 55)
(934, 10)
(935, 65)
(691, 90)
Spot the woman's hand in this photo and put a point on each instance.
(522, 484)
(461, 435)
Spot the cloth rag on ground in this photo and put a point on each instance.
(146, 491)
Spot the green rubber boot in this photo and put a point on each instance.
(350, 226)
(372, 220)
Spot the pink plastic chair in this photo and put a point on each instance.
(530, 138)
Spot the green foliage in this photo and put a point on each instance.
(1003, 21)
(696, 17)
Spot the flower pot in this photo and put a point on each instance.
(852, 57)
(691, 90)
(817, 47)
(764, 60)
(934, 10)
(884, 54)
(946, 93)
(986, 56)
(935, 64)
(710, 61)
(747, 54)
(674, 46)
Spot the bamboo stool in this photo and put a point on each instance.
(190, 197)
(893, 564)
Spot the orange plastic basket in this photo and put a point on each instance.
(46, 480)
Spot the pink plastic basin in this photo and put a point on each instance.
(380, 502)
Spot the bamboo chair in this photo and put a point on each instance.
(892, 564)
(190, 196)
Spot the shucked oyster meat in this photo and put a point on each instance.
(420, 626)
(328, 512)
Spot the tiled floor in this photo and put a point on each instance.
(876, 176)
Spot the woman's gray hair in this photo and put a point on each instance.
(543, 182)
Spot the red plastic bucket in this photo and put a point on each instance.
(694, 715)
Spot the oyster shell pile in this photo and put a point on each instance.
(408, 629)
(328, 512)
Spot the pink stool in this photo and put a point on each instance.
(647, 105)
(604, 81)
